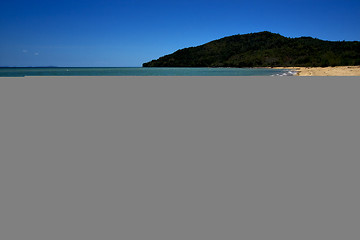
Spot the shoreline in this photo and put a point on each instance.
(325, 71)
(288, 71)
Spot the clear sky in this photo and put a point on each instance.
(129, 32)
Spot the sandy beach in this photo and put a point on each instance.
(326, 71)
(95, 153)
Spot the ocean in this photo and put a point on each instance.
(139, 71)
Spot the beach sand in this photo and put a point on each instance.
(326, 71)
(179, 157)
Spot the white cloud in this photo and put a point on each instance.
(24, 51)
(36, 54)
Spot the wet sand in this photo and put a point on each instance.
(326, 71)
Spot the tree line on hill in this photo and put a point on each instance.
(264, 49)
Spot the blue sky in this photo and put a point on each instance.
(129, 32)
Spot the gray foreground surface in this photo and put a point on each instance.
(188, 158)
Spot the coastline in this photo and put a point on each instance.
(281, 71)
(325, 71)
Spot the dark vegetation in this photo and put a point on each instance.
(263, 49)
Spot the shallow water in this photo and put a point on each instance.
(139, 71)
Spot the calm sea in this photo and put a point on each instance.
(140, 71)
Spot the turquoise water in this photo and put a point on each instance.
(140, 71)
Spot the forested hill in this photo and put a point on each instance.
(263, 49)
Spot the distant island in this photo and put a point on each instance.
(264, 49)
